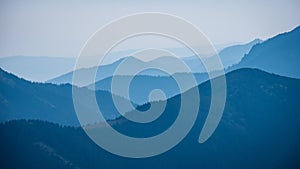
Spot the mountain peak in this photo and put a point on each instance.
(279, 55)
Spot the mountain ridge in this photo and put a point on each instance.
(259, 129)
(279, 54)
(45, 101)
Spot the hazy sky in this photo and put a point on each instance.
(55, 28)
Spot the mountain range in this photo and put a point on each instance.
(259, 129)
(269, 55)
(229, 56)
(277, 55)
(26, 94)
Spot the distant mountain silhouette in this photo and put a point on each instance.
(104, 71)
(279, 55)
(21, 99)
(234, 54)
(259, 129)
(43, 68)
(142, 85)
(228, 56)
(37, 68)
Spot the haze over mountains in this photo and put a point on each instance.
(229, 56)
(151, 78)
(270, 55)
(285, 63)
(50, 98)
(58, 70)
(38, 69)
(259, 128)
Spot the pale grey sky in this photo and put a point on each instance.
(60, 28)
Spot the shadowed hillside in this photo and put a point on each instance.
(259, 129)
